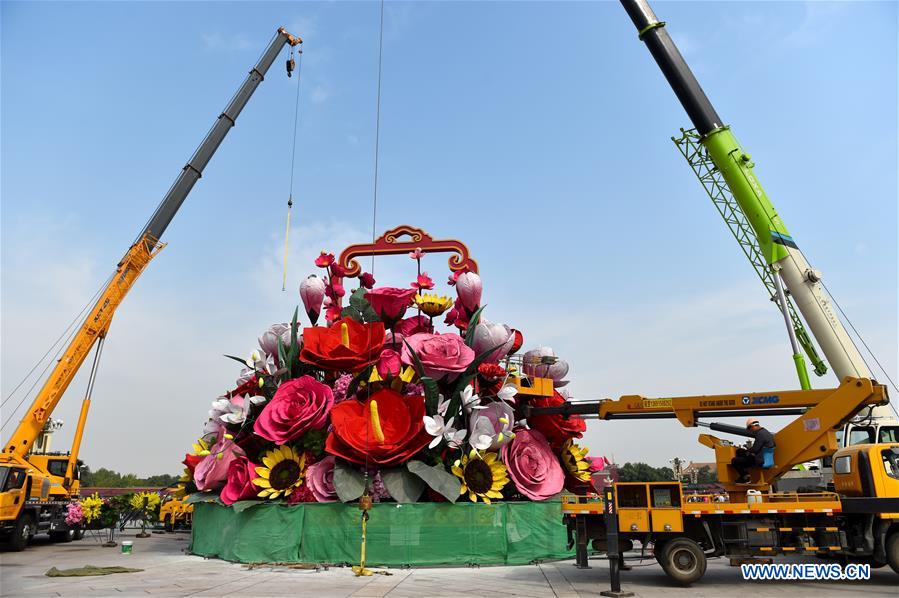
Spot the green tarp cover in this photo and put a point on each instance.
(418, 534)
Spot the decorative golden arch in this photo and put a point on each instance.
(390, 244)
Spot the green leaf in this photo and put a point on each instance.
(199, 497)
(432, 395)
(370, 315)
(349, 483)
(243, 362)
(359, 379)
(437, 478)
(402, 485)
(282, 354)
(472, 324)
(293, 356)
(242, 505)
(352, 313)
(358, 300)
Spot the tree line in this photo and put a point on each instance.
(641, 472)
(107, 478)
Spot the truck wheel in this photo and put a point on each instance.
(79, 533)
(66, 536)
(167, 524)
(892, 547)
(22, 533)
(682, 560)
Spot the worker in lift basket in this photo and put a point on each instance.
(752, 457)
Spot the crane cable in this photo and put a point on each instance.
(365, 501)
(293, 154)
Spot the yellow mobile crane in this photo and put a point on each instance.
(35, 489)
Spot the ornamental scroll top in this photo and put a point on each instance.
(392, 243)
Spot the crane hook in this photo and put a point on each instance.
(291, 64)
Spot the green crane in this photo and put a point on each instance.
(726, 172)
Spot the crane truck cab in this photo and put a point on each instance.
(175, 513)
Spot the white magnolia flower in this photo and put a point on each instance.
(507, 393)
(436, 427)
(239, 409)
(470, 400)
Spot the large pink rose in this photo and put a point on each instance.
(211, 472)
(440, 354)
(320, 479)
(240, 481)
(390, 303)
(533, 466)
(299, 405)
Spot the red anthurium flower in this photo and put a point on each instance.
(423, 282)
(190, 462)
(346, 345)
(324, 260)
(386, 429)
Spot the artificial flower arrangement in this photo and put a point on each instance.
(378, 402)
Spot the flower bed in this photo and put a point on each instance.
(379, 405)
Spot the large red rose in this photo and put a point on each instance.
(298, 406)
(556, 428)
(325, 347)
(239, 484)
(354, 435)
(390, 303)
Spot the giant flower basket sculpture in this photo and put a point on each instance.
(386, 399)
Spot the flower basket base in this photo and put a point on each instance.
(398, 535)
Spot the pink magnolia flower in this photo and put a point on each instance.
(533, 466)
(440, 354)
(543, 363)
(211, 472)
(417, 254)
(390, 303)
(389, 364)
(491, 426)
(469, 288)
(239, 485)
(268, 341)
(324, 260)
(423, 282)
(489, 336)
(312, 292)
(367, 280)
(320, 479)
(299, 405)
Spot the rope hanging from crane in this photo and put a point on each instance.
(291, 66)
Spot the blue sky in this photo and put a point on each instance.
(537, 133)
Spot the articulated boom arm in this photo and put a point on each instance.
(810, 436)
(93, 328)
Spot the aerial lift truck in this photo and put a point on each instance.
(35, 489)
(859, 521)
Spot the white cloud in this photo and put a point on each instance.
(319, 94)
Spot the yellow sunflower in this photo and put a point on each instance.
(283, 470)
(573, 458)
(433, 304)
(482, 476)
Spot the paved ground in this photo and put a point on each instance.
(170, 572)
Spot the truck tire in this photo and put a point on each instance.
(892, 547)
(167, 524)
(22, 533)
(683, 561)
(79, 534)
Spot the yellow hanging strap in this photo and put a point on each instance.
(286, 242)
(364, 506)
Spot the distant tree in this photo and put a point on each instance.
(107, 478)
(641, 472)
(705, 475)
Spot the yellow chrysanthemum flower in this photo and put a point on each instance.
(433, 304)
(482, 475)
(91, 506)
(145, 501)
(283, 470)
(573, 458)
